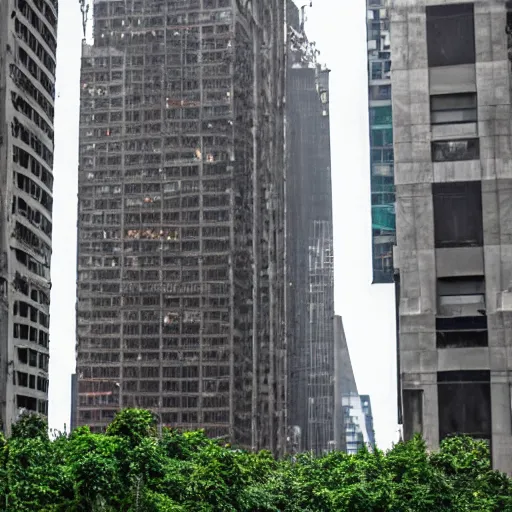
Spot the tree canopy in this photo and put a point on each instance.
(131, 469)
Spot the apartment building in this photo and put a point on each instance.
(28, 30)
(181, 218)
(453, 174)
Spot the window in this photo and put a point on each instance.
(380, 92)
(455, 150)
(461, 332)
(458, 214)
(453, 108)
(458, 296)
(413, 412)
(376, 70)
(23, 355)
(382, 137)
(450, 35)
(381, 116)
(464, 401)
(380, 69)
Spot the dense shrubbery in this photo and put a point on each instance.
(130, 469)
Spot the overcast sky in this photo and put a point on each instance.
(338, 27)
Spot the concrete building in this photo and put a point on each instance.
(309, 236)
(181, 217)
(28, 46)
(381, 141)
(453, 173)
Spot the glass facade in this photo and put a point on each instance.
(381, 141)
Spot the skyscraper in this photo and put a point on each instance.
(451, 83)
(27, 77)
(381, 141)
(181, 217)
(309, 237)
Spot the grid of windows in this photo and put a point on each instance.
(165, 217)
(30, 92)
(381, 141)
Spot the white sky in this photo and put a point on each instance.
(338, 27)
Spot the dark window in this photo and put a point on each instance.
(26, 402)
(453, 108)
(464, 401)
(455, 150)
(23, 355)
(458, 214)
(461, 339)
(462, 322)
(413, 412)
(450, 35)
(462, 332)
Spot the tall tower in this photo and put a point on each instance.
(28, 44)
(309, 245)
(181, 217)
(381, 141)
(451, 115)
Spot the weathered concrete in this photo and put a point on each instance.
(419, 263)
(27, 78)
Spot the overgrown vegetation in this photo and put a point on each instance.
(130, 469)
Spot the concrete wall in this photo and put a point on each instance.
(27, 96)
(4, 307)
(418, 261)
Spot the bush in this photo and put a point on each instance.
(129, 469)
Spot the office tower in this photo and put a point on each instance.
(309, 245)
(28, 44)
(350, 427)
(181, 217)
(381, 141)
(451, 117)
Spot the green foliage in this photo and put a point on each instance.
(130, 469)
(133, 424)
(30, 426)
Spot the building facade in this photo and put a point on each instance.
(181, 217)
(453, 174)
(309, 235)
(28, 31)
(381, 141)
